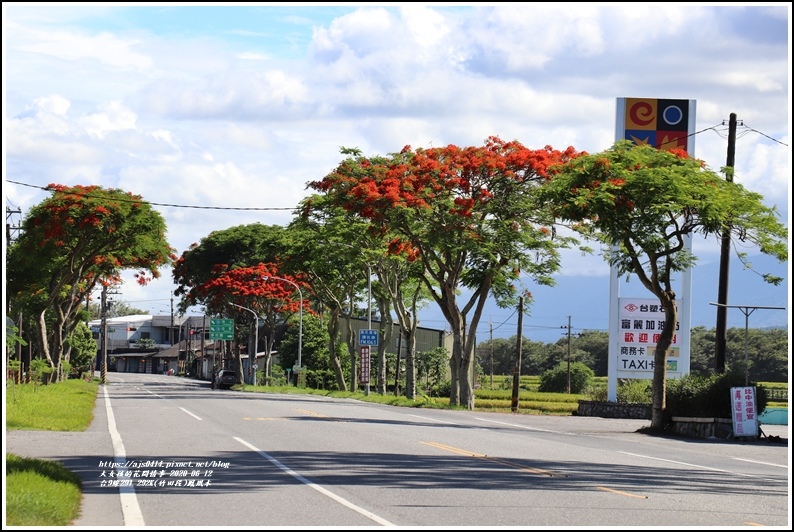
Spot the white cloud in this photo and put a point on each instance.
(112, 116)
(55, 104)
(104, 47)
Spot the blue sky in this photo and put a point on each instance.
(239, 106)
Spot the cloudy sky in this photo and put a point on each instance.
(220, 115)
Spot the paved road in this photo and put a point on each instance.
(152, 417)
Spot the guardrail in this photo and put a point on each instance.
(777, 394)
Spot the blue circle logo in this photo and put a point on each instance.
(672, 115)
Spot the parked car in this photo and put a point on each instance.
(225, 378)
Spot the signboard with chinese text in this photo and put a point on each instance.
(368, 337)
(743, 409)
(365, 364)
(641, 323)
(221, 329)
(665, 124)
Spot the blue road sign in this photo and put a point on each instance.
(368, 337)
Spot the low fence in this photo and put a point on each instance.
(777, 394)
(614, 410)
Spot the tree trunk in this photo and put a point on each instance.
(659, 393)
(410, 363)
(336, 365)
(351, 350)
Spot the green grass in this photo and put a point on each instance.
(64, 406)
(40, 493)
(497, 400)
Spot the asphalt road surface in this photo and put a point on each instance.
(168, 451)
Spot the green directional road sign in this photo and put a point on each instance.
(221, 329)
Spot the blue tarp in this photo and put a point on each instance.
(773, 416)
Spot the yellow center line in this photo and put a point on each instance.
(314, 414)
(610, 490)
(497, 460)
(309, 412)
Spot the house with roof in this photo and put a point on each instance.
(142, 343)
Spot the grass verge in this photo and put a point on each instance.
(65, 406)
(40, 493)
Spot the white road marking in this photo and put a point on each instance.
(129, 500)
(312, 485)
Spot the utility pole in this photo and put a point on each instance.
(11, 230)
(568, 389)
(722, 290)
(369, 320)
(517, 370)
(104, 327)
(490, 325)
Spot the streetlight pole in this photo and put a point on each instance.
(300, 313)
(252, 355)
(369, 314)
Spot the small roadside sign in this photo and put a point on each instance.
(368, 337)
(365, 364)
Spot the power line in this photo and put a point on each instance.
(739, 134)
(767, 136)
(175, 205)
(132, 200)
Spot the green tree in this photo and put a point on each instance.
(229, 266)
(235, 247)
(467, 215)
(432, 365)
(762, 353)
(72, 242)
(314, 346)
(642, 204)
(596, 345)
(82, 348)
(329, 247)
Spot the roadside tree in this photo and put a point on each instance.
(467, 214)
(79, 238)
(642, 204)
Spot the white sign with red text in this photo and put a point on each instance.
(743, 409)
(641, 323)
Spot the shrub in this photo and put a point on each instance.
(321, 379)
(441, 389)
(635, 391)
(40, 371)
(556, 379)
(278, 377)
(706, 396)
(629, 391)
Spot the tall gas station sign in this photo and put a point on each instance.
(634, 323)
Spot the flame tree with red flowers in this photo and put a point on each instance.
(73, 241)
(642, 203)
(468, 215)
(253, 287)
(340, 253)
(229, 266)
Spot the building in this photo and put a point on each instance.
(158, 344)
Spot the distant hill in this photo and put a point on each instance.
(586, 300)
